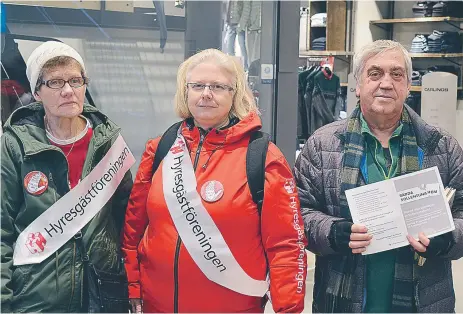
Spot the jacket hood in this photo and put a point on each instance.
(228, 135)
(27, 123)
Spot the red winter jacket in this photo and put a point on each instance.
(159, 268)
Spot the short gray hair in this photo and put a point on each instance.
(375, 48)
(59, 61)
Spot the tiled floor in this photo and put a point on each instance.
(457, 273)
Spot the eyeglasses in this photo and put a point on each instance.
(74, 82)
(216, 88)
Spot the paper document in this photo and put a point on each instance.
(408, 204)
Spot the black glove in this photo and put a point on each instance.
(340, 236)
(438, 246)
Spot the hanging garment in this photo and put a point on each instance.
(229, 42)
(307, 96)
(255, 17)
(326, 101)
(161, 18)
(323, 100)
(302, 122)
(253, 45)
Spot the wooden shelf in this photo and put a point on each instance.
(344, 84)
(418, 20)
(436, 55)
(316, 53)
(418, 88)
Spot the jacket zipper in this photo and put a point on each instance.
(74, 251)
(179, 240)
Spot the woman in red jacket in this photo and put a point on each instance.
(194, 240)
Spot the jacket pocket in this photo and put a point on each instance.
(112, 290)
(21, 279)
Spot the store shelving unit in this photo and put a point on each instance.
(436, 55)
(344, 56)
(310, 53)
(335, 29)
(455, 22)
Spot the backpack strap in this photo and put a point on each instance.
(255, 166)
(255, 159)
(165, 143)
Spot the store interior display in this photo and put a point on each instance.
(436, 48)
(437, 42)
(437, 8)
(319, 43)
(318, 20)
(318, 26)
(320, 98)
(323, 25)
(242, 21)
(417, 74)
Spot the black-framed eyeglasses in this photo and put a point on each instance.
(74, 82)
(216, 88)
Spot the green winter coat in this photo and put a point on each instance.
(56, 284)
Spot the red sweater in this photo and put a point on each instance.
(77, 153)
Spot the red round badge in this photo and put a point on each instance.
(35, 182)
(212, 191)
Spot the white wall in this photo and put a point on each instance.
(364, 12)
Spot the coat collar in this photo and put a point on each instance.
(28, 125)
(427, 136)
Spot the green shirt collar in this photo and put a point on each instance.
(366, 129)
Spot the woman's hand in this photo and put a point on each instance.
(136, 305)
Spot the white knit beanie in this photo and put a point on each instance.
(45, 52)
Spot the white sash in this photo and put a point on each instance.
(199, 233)
(59, 223)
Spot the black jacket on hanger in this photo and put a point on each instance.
(319, 100)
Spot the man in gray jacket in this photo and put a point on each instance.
(383, 138)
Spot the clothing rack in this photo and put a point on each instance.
(320, 97)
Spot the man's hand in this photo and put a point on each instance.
(359, 238)
(421, 245)
(346, 237)
(136, 305)
(426, 247)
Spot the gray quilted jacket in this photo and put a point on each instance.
(318, 176)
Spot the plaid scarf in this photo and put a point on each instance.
(340, 300)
